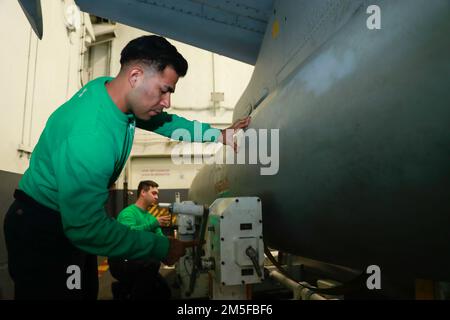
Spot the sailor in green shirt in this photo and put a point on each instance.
(140, 279)
(137, 217)
(58, 224)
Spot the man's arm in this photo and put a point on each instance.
(83, 166)
(167, 125)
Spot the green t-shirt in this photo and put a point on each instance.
(137, 219)
(79, 155)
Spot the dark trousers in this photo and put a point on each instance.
(138, 280)
(42, 262)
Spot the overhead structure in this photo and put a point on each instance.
(231, 28)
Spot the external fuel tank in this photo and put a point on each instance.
(364, 136)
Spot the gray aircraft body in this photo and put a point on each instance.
(364, 136)
(364, 132)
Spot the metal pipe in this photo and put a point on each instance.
(190, 209)
(125, 194)
(32, 94)
(82, 52)
(26, 90)
(164, 205)
(300, 292)
(108, 59)
(68, 69)
(214, 84)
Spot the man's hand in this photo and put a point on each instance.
(227, 134)
(164, 221)
(177, 249)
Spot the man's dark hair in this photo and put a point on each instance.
(154, 51)
(145, 185)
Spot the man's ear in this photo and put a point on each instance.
(133, 75)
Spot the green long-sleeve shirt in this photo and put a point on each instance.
(137, 219)
(79, 155)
